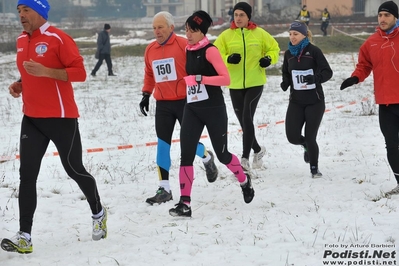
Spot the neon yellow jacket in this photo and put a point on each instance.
(252, 43)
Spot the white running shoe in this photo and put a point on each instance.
(100, 227)
(245, 165)
(258, 162)
(18, 243)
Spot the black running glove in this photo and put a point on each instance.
(284, 86)
(349, 82)
(145, 102)
(309, 79)
(265, 61)
(234, 59)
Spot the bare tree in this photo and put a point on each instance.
(77, 16)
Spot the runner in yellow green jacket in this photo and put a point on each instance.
(247, 50)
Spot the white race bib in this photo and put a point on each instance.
(164, 70)
(196, 93)
(297, 79)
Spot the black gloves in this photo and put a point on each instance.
(309, 79)
(349, 82)
(265, 61)
(234, 59)
(145, 102)
(284, 86)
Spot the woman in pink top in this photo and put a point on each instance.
(205, 107)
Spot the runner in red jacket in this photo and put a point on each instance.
(44, 94)
(379, 53)
(48, 61)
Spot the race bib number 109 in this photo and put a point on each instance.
(298, 80)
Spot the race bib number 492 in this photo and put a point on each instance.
(196, 93)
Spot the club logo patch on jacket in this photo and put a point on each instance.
(41, 49)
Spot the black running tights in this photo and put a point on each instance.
(299, 115)
(389, 125)
(36, 134)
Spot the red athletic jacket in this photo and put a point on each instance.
(380, 54)
(46, 97)
(171, 90)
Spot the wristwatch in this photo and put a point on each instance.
(198, 78)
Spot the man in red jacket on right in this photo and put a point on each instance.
(379, 54)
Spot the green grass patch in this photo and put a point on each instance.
(330, 44)
(118, 51)
(80, 33)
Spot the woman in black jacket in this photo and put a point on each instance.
(304, 69)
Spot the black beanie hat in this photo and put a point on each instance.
(199, 20)
(107, 26)
(244, 7)
(389, 7)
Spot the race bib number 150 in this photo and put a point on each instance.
(164, 70)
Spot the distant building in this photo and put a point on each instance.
(175, 7)
(180, 8)
(368, 8)
(371, 7)
(84, 3)
(219, 8)
(8, 19)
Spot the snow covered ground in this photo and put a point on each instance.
(293, 219)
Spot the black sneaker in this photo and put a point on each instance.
(247, 190)
(162, 196)
(111, 74)
(305, 154)
(211, 169)
(314, 171)
(181, 210)
(93, 75)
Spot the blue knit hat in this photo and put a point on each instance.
(299, 27)
(42, 7)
